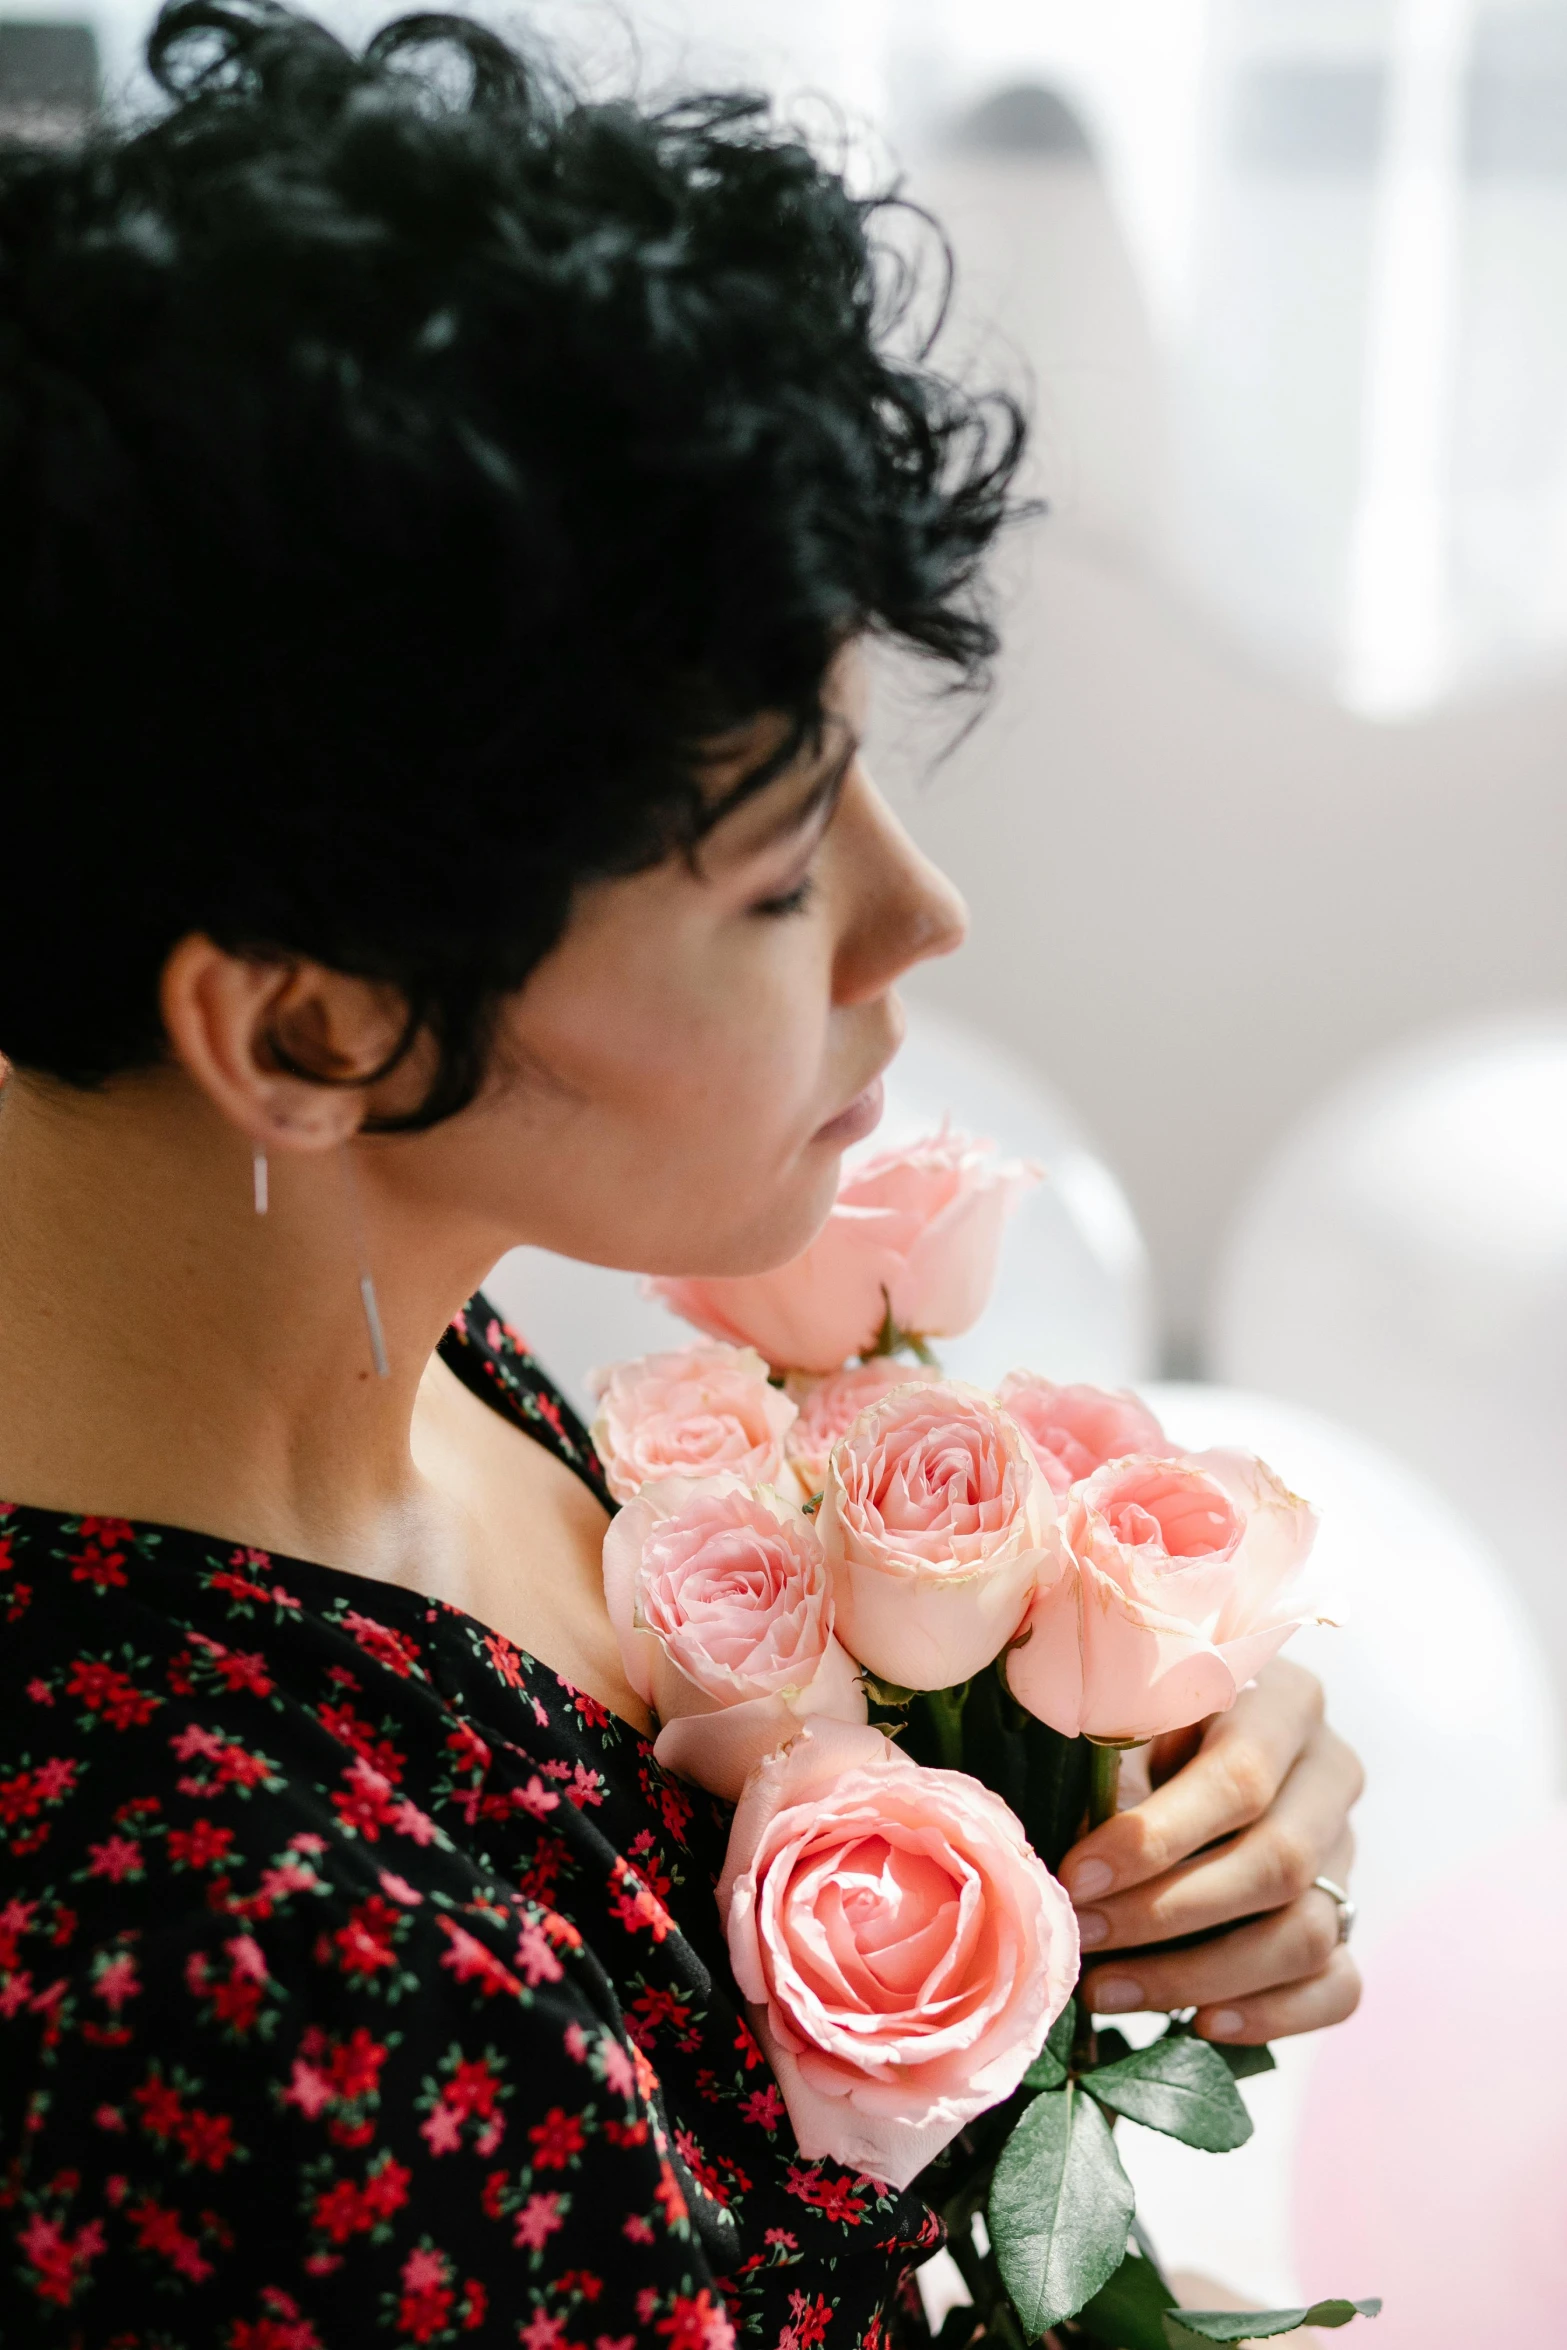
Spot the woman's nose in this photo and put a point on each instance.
(903, 909)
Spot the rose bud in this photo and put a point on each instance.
(1171, 1596)
(936, 1525)
(829, 1408)
(903, 1949)
(699, 1411)
(721, 1604)
(916, 1230)
(1075, 1430)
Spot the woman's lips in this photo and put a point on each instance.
(862, 1117)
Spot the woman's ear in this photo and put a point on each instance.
(236, 1023)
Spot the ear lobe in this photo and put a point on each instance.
(218, 1012)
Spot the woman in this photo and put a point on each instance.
(440, 521)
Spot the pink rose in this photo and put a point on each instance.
(1170, 1601)
(700, 1411)
(918, 1228)
(721, 1605)
(829, 1408)
(1075, 1430)
(936, 1526)
(903, 1949)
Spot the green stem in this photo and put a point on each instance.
(946, 1716)
(1104, 1784)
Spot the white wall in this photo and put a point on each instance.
(1200, 892)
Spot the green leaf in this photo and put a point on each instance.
(1060, 2207)
(1050, 2067)
(1127, 2313)
(1244, 2062)
(1182, 2087)
(1188, 2326)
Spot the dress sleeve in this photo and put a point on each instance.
(386, 2121)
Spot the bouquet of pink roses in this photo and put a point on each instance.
(909, 1627)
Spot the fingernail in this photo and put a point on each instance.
(1224, 2023)
(1095, 1876)
(1114, 1995)
(1093, 1927)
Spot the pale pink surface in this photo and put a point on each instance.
(720, 1602)
(903, 1949)
(698, 1411)
(1432, 2158)
(830, 1406)
(1075, 1430)
(936, 1524)
(1171, 1595)
(920, 1227)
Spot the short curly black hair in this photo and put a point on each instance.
(406, 465)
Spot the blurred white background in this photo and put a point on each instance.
(1265, 828)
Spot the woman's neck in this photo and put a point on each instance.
(166, 1353)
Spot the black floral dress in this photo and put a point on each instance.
(361, 1980)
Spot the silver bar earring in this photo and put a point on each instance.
(383, 1369)
(367, 1296)
(258, 1171)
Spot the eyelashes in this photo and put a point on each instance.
(794, 901)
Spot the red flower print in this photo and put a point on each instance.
(381, 1642)
(557, 2140)
(538, 2220)
(104, 1689)
(114, 1979)
(345, 2210)
(309, 2089)
(236, 1668)
(697, 2322)
(350, 1729)
(60, 2262)
(281, 2328)
(207, 2139)
(158, 2229)
(810, 2321)
(427, 2296)
(635, 1905)
(506, 1659)
(468, 1749)
(833, 2198)
(366, 1945)
(367, 1805)
(535, 1957)
(668, 2197)
(115, 1858)
(198, 1847)
(586, 1786)
(102, 1559)
(764, 2108)
(235, 1997)
(594, 1715)
(24, 1796)
(543, 2332)
(16, 1919)
(470, 1962)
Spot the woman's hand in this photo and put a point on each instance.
(1245, 1811)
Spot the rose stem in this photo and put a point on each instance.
(1104, 1783)
(1104, 1792)
(946, 1714)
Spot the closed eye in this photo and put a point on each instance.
(793, 901)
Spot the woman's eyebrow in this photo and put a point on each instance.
(822, 795)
